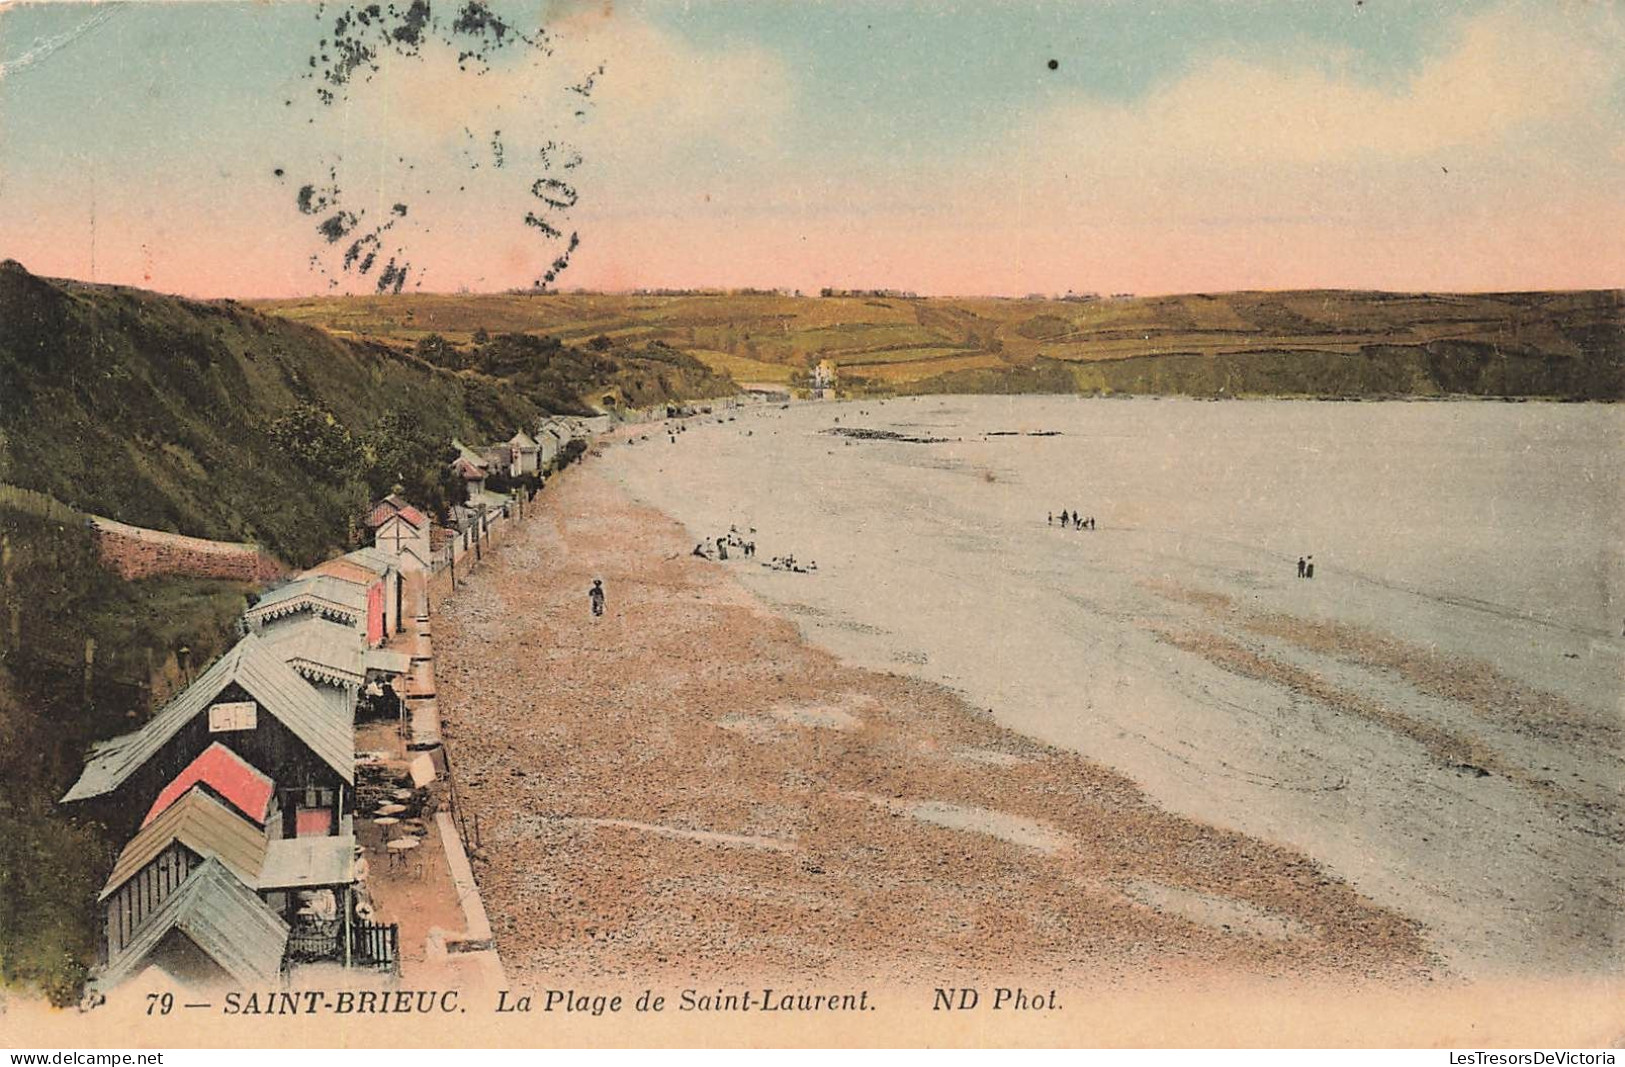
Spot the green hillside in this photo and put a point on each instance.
(215, 420)
(59, 609)
(1568, 345)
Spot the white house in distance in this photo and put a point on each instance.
(824, 377)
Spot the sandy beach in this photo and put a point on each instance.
(688, 788)
(1435, 718)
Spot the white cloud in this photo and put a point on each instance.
(623, 113)
(659, 91)
(654, 94)
(1509, 79)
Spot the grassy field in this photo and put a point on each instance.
(892, 373)
(742, 368)
(1576, 337)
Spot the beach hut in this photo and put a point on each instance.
(326, 654)
(253, 702)
(212, 931)
(323, 596)
(384, 566)
(471, 467)
(548, 444)
(401, 530)
(157, 861)
(553, 435)
(377, 573)
(228, 777)
(526, 453)
(295, 868)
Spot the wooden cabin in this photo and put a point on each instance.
(229, 778)
(383, 565)
(323, 596)
(297, 868)
(156, 862)
(526, 453)
(377, 574)
(402, 531)
(211, 931)
(553, 434)
(253, 702)
(471, 467)
(328, 655)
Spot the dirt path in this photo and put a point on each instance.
(686, 788)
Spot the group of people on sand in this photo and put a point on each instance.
(717, 549)
(788, 563)
(733, 539)
(1074, 520)
(1306, 567)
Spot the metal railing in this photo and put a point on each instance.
(373, 946)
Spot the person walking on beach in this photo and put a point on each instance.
(1309, 568)
(596, 596)
(1301, 566)
(1064, 518)
(1052, 518)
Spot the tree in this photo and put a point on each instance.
(405, 452)
(314, 439)
(435, 349)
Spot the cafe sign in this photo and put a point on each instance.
(237, 715)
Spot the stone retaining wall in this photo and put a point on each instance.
(135, 552)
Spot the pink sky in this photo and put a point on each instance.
(1496, 161)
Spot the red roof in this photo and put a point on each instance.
(392, 506)
(344, 570)
(231, 778)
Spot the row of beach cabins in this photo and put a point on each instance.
(237, 802)
(522, 455)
